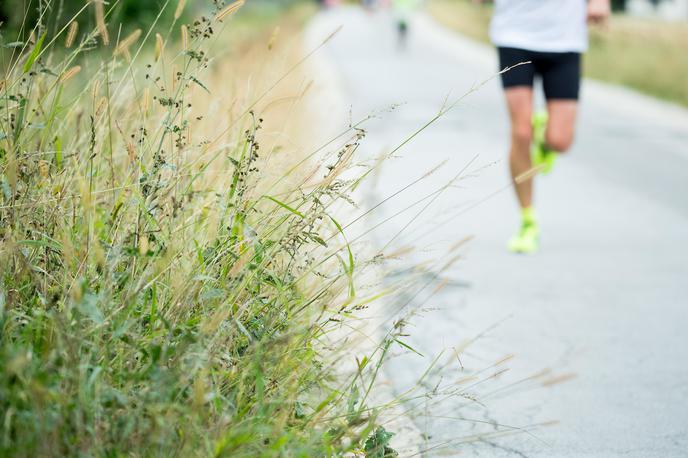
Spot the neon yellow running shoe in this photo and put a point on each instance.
(527, 241)
(540, 155)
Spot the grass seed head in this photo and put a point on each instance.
(143, 245)
(123, 47)
(71, 34)
(185, 37)
(273, 38)
(131, 152)
(180, 9)
(44, 168)
(146, 100)
(100, 22)
(229, 10)
(95, 90)
(100, 106)
(70, 73)
(159, 46)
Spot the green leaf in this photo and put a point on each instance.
(213, 293)
(195, 80)
(377, 445)
(20, 118)
(363, 363)
(350, 269)
(6, 191)
(331, 397)
(354, 397)
(286, 207)
(58, 154)
(34, 54)
(42, 244)
(409, 347)
(49, 72)
(319, 240)
(89, 307)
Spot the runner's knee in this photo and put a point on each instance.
(522, 135)
(559, 141)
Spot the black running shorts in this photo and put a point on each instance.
(560, 71)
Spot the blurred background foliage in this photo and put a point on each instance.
(58, 13)
(127, 14)
(618, 5)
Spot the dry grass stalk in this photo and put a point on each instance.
(342, 164)
(146, 100)
(525, 176)
(398, 254)
(559, 379)
(460, 243)
(241, 263)
(505, 359)
(440, 286)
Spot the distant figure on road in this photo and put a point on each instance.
(403, 10)
(327, 3)
(551, 35)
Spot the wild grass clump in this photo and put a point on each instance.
(158, 295)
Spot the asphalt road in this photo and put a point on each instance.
(594, 326)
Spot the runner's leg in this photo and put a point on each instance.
(561, 80)
(518, 88)
(561, 125)
(520, 103)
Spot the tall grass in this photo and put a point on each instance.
(164, 291)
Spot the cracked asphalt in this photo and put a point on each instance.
(580, 350)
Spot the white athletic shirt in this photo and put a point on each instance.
(540, 25)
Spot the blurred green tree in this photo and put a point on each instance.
(57, 13)
(619, 5)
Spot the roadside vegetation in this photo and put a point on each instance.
(174, 280)
(179, 275)
(643, 54)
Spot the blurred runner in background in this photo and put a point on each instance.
(403, 10)
(551, 35)
(328, 3)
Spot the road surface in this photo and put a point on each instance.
(598, 318)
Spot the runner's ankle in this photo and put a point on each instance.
(528, 215)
